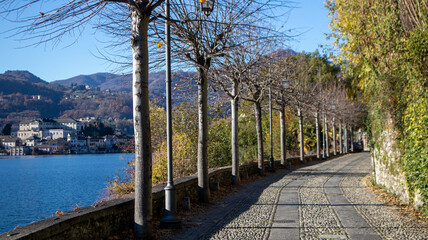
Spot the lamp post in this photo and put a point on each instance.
(170, 220)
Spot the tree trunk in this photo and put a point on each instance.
(143, 148)
(302, 140)
(345, 139)
(334, 139)
(317, 129)
(283, 138)
(340, 138)
(203, 184)
(235, 145)
(327, 145)
(258, 112)
(351, 131)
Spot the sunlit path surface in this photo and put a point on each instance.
(325, 200)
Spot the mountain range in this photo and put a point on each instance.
(25, 96)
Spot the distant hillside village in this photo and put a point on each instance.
(61, 136)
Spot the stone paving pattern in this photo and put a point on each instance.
(325, 200)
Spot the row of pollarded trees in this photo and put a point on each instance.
(304, 84)
(316, 92)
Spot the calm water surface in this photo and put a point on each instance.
(35, 187)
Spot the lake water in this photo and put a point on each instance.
(33, 188)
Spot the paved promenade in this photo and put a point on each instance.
(325, 200)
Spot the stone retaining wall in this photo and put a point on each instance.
(115, 216)
(387, 167)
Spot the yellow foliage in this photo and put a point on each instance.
(184, 161)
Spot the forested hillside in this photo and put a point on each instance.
(102, 95)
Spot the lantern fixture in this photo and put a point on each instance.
(207, 6)
(285, 84)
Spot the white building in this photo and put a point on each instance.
(59, 133)
(32, 141)
(78, 143)
(96, 144)
(48, 128)
(71, 124)
(20, 151)
(9, 142)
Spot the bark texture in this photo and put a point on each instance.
(143, 149)
(327, 144)
(345, 139)
(317, 129)
(203, 184)
(283, 138)
(258, 112)
(334, 139)
(340, 138)
(302, 138)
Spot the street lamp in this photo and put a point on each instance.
(170, 220)
(207, 6)
(285, 84)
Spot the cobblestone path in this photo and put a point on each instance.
(325, 200)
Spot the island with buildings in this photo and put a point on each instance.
(61, 136)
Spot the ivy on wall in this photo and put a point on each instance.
(384, 48)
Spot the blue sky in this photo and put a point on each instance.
(60, 62)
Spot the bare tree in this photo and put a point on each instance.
(228, 77)
(254, 86)
(324, 78)
(303, 89)
(235, 68)
(281, 90)
(339, 106)
(255, 82)
(61, 19)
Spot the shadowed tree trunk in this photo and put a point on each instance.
(203, 184)
(258, 112)
(143, 149)
(235, 143)
(301, 137)
(334, 139)
(283, 137)
(345, 131)
(327, 146)
(340, 138)
(317, 129)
